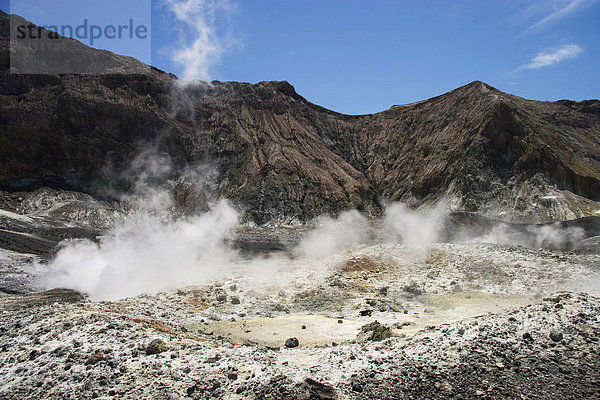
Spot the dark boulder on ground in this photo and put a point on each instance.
(156, 346)
(374, 331)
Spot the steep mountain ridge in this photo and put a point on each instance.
(281, 158)
(475, 139)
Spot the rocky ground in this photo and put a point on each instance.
(453, 321)
(378, 320)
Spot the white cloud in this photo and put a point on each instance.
(560, 9)
(552, 57)
(204, 34)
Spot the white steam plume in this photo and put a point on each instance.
(204, 34)
(146, 255)
(153, 251)
(148, 252)
(543, 236)
(400, 224)
(333, 235)
(413, 226)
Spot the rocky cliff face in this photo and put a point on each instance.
(484, 151)
(279, 157)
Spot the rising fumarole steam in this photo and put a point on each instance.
(149, 253)
(145, 255)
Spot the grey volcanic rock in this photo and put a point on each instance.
(374, 331)
(556, 336)
(588, 246)
(156, 346)
(282, 158)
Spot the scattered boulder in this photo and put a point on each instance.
(556, 336)
(191, 389)
(60, 351)
(221, 298)
(213, 360)
(400, 325)
(156, 346)
(34, 354)
(413, 289)
(375, 331)
(232, 376)
(357, 387)
(318, 390)
(292, 342)
(95, 358)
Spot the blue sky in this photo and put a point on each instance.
(364, 56)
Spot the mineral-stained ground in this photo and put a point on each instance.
(453, 321)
